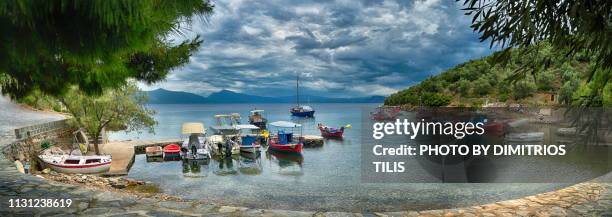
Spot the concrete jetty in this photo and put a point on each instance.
(123, 153)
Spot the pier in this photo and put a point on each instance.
(123, 153)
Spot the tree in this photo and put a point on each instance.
(116, 109)
(573, 26)
(51, 46)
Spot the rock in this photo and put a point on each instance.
(557, 211)
(175, 205)
(46, 171)
(226, 209)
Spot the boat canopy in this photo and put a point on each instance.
(246, 126)
(190, 128)
(257, 111)
(307, 108)
(285, 124)
(223, 116)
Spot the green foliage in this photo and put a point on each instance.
(50, 46)
(523, 89)
(435, 99)
(117, 109)
(579, 29)
(480, 79)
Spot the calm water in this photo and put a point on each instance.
(324, 178)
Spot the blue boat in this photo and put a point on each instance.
(302, 111)
(299, 110)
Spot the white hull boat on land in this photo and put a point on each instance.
(76, 163)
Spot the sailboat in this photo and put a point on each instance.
(300, 110)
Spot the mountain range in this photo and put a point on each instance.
(163, 96)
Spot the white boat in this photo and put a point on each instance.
(525, 137)
(249, 142)
(226, 124)
(195, 147)
(154, 151)
(75, 163)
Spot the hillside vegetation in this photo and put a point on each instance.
(478, 81)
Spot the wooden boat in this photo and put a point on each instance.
(73, 163)
(284, 142)
(195, 147)
(257, 118)
(154, 151)
(525, 137)
(249, 144)
(495, 128)
(299, 110)
(172, 151)
(330, 131)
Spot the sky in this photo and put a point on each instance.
(343, 48)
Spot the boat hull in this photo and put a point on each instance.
(303, 114)
(329, 134)
(289, 148)
(82, 169)
(249, 149)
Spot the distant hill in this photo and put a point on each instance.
(163, 96)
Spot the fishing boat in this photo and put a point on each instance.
(257, 118)
(300, 110)
(59, 161)
(172, 152)
(224, 145)
(154, 151)
(525, 137)
(195, 147)
(331, 132)
(284, 141)
(226, 124)
(249, 141)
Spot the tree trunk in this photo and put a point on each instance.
(95, 142)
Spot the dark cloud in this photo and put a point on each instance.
(342, 48)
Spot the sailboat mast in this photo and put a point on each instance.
(297, 88)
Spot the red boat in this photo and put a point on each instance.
(283, 142)
(172, 151)
(330, 131)
(495, 128)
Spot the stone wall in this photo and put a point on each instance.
(26, 148)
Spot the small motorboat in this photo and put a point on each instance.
(331, 131)
(61, 162)
(195, 147)
(249, 144)
(256, 118)
(525, 137)
(226, 124)
(250, 141)
(154, 151)
(495, 128)
(284, 142)
(172, 152)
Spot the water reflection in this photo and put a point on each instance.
(248, 164)
(288, 163)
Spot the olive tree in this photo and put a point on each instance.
(117, 109)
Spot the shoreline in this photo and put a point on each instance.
(576, 199)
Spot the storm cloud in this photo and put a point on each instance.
(340, 48)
